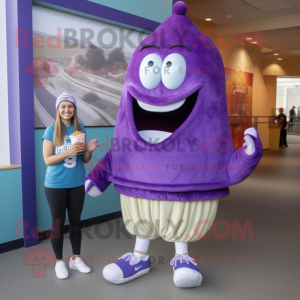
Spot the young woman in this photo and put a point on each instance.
(64, 182)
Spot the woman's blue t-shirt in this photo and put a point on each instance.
(70, 172)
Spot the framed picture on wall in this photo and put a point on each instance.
(239, 89)
(84, 57)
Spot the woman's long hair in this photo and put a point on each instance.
(60, 128)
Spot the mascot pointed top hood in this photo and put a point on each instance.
(172, 137)
(176, 65)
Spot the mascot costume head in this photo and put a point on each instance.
(172, 157)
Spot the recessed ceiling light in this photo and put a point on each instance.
(208, 19)
(254, 42)
(279, 58)
(275, 53)
(229, 16)
(248, 38)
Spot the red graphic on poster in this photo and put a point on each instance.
(239, 86)
(41, 68)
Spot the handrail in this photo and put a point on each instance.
(255, 122)
(250, 123)
(250, 116)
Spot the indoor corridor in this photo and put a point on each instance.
(260, 263)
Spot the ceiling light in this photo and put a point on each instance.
(254, 42)
(279, 58)
(208, 19)
(229, 16)
(275, 53)
(248, 38)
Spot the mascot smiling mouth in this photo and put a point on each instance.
(161, 121)
(162, 118)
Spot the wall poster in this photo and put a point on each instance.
(239, 87)
(86, 58)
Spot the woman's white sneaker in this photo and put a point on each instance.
(61, 270)
(79, 265)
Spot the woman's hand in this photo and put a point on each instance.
(76, 148)
(93, 144)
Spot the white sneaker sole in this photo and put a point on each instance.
(187, 283)
(75, 268)
(62, 277)
(124, 280)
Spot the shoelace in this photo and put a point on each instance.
(62, 266)
(128, 255)
(184, 258)
(81, 262)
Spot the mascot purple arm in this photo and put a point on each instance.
(172, 156)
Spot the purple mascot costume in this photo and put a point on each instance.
(172, 156)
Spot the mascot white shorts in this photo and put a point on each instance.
(174, 221)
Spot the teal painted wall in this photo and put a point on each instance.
(11, 204)
(107, 203)
(155, 10)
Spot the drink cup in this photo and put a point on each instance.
(78, 138)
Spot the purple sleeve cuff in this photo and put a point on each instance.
(89, 186)
(99, 176)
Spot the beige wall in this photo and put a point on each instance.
(248, 60)
(271, 86)
(281, 67)
(273, 68)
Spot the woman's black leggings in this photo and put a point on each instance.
(59, 200)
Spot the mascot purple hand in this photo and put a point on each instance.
(173, 157)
